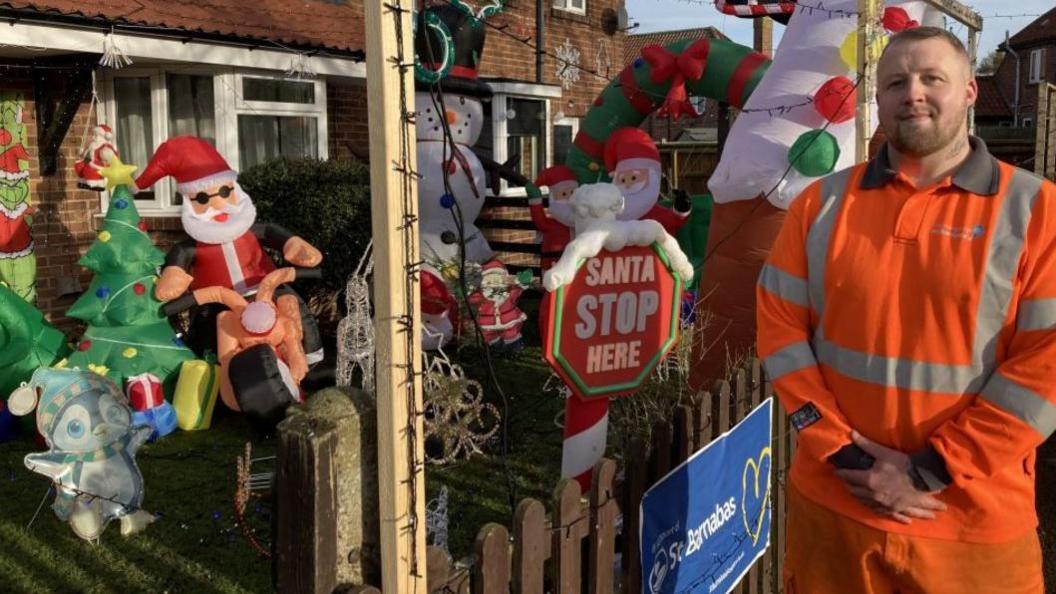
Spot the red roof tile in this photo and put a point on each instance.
(633, 44)
(990, 103)
(332, 24)
(1042, 29)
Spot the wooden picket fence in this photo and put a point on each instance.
(572, 549)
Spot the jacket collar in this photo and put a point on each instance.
(978, 174)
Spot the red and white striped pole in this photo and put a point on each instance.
(586, 432)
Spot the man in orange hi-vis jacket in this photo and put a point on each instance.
(907, 316)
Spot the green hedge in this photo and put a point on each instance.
(325, 202)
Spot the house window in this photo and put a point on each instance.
(576, 6)
(249, 119)
(278, 118)
(517, 129)
(134, 125)
(1037, 62)
(565, 130)
(526, 135)
(1028, 122)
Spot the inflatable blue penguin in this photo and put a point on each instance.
(87, 424)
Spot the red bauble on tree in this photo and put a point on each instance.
(836, 100)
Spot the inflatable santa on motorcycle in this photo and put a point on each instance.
(226, 242)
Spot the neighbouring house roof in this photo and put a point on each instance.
(699, 135)
(1041, 30)
(990, 103)
(633, 44)
(324, 24)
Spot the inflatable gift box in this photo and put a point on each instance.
(149, 405)
(196, 393)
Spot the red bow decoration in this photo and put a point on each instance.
(678, 68)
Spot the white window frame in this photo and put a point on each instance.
(568, 6)
(563, 121)
(228, 104)
(238, 105)
(1037, 65)
(516, 90)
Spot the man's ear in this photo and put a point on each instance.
(973, 91)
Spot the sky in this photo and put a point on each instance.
(663, 15)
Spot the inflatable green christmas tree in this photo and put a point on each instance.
(127, 335)
(27, 341)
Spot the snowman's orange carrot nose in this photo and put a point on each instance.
(452, 117)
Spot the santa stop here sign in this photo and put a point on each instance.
(608, 329)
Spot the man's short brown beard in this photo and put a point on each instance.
(917, 144)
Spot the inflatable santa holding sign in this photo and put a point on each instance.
(633, 162)
(610, 315)
(226, 244)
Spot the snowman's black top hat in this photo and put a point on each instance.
(466, 43)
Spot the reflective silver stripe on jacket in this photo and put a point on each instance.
(786, 286)
(793, 357)
(1025, 404)
(1003, 256)
(833, 189)
(1036, 314)
(1002, 262)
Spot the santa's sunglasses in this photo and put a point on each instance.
(203, 198)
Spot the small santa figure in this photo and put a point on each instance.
(496, 305)
(633, 162)
(94, 158)
(555, 222)
(226, 244)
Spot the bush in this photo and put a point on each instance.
(325, 202)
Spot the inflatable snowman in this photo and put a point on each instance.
(449, 118)
(449, 121)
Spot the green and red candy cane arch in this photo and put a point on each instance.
(661, 80)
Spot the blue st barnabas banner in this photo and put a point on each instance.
(707, 521)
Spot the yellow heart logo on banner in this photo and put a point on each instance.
(755, 467)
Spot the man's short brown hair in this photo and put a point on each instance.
(922, 33)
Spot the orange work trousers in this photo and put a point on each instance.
(827, 553)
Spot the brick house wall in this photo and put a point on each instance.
(1028, 92)
(507, 57)
(346, 102)
(67, 218)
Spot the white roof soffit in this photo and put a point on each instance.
(74, 39)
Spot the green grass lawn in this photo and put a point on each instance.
(194, 546)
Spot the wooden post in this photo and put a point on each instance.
(306, 543)
(868, 16)
(973, 51)
(393, 186)
(1050, 126)
(959, 12)
(1045, 132)
(763, 36)
(602, 535)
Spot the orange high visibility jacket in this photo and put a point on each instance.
(925, 320)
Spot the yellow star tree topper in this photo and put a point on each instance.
(118, 174)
